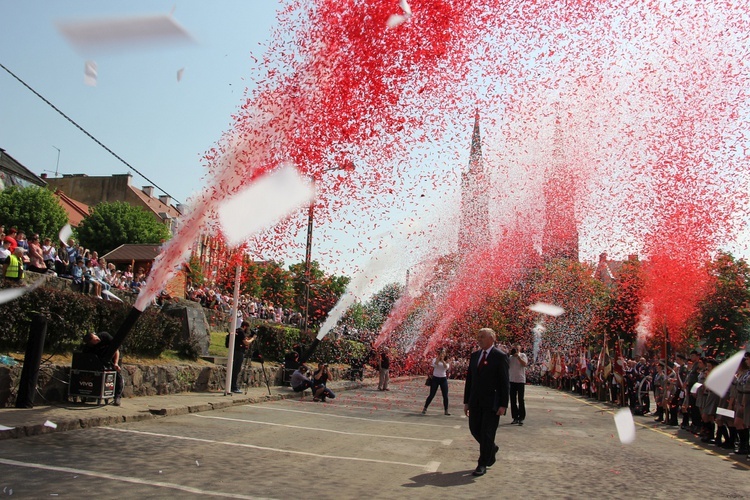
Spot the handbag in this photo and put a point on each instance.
(429, 380)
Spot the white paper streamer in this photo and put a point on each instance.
(625, 426)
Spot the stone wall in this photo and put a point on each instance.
(143, 380)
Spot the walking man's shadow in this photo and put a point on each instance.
(443, 479)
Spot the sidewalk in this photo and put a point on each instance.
(23, 422)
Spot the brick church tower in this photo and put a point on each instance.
(560, 237)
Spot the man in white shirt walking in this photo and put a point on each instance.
(517, 375)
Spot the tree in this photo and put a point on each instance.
(32, 209)
(299, 280)
(276, 284)
(570, 285)
(195, 273)
(382, 302)
(723, 319)
(325, 290)
(110, 225)
(324, 295)
(621, 316)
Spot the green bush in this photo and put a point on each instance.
(274, 341)
(339, 351)
(71, 315)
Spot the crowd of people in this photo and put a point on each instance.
(91, 273)
(248, 307)
(672, 391)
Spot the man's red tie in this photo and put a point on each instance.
(484, 357)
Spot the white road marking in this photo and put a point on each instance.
(353, 405)
(330, 415)
(445, 442)
(428, 467)
(125, 479)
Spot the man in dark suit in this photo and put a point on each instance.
(486, 396)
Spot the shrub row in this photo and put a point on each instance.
(274, 341)
(71, 315)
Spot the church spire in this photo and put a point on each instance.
(475, 156)
(560, 237)
(474, 230)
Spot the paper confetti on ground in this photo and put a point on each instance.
(625, 426)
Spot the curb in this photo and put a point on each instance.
(155, 411)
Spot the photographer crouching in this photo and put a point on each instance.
(319, 389)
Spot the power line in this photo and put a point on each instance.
(40, 96)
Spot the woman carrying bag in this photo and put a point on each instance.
(439, 379)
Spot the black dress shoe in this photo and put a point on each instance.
(515, 421)
(481, 470)
(494, 456)
(520, 422)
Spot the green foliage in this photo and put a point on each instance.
(71, 315)
(110, 225)
(382, 302)
(325, 290)
(252, 275)
(217, 347)
(33, 210)
(188, 349)
(723, 320)
(624, 304)
(274, 341)
(276, 284)
(339, 351)
(570, 285)
(195, 273)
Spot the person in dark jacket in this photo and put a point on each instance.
(486, 396)
(98, 344)
(384, 366)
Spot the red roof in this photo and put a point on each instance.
(75, 209)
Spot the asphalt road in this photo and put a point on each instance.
(367, 444)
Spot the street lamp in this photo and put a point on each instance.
(348, 166)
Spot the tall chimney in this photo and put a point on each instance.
(166, 199)
(148, 190)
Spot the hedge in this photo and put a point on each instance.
(274, 341)
(71, 315)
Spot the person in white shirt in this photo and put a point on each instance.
(517, 375)
(439, 378)
(49, 254)
(4, 251)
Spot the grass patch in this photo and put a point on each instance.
(216, 348)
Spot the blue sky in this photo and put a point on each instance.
(138, 108)
(162, 127)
